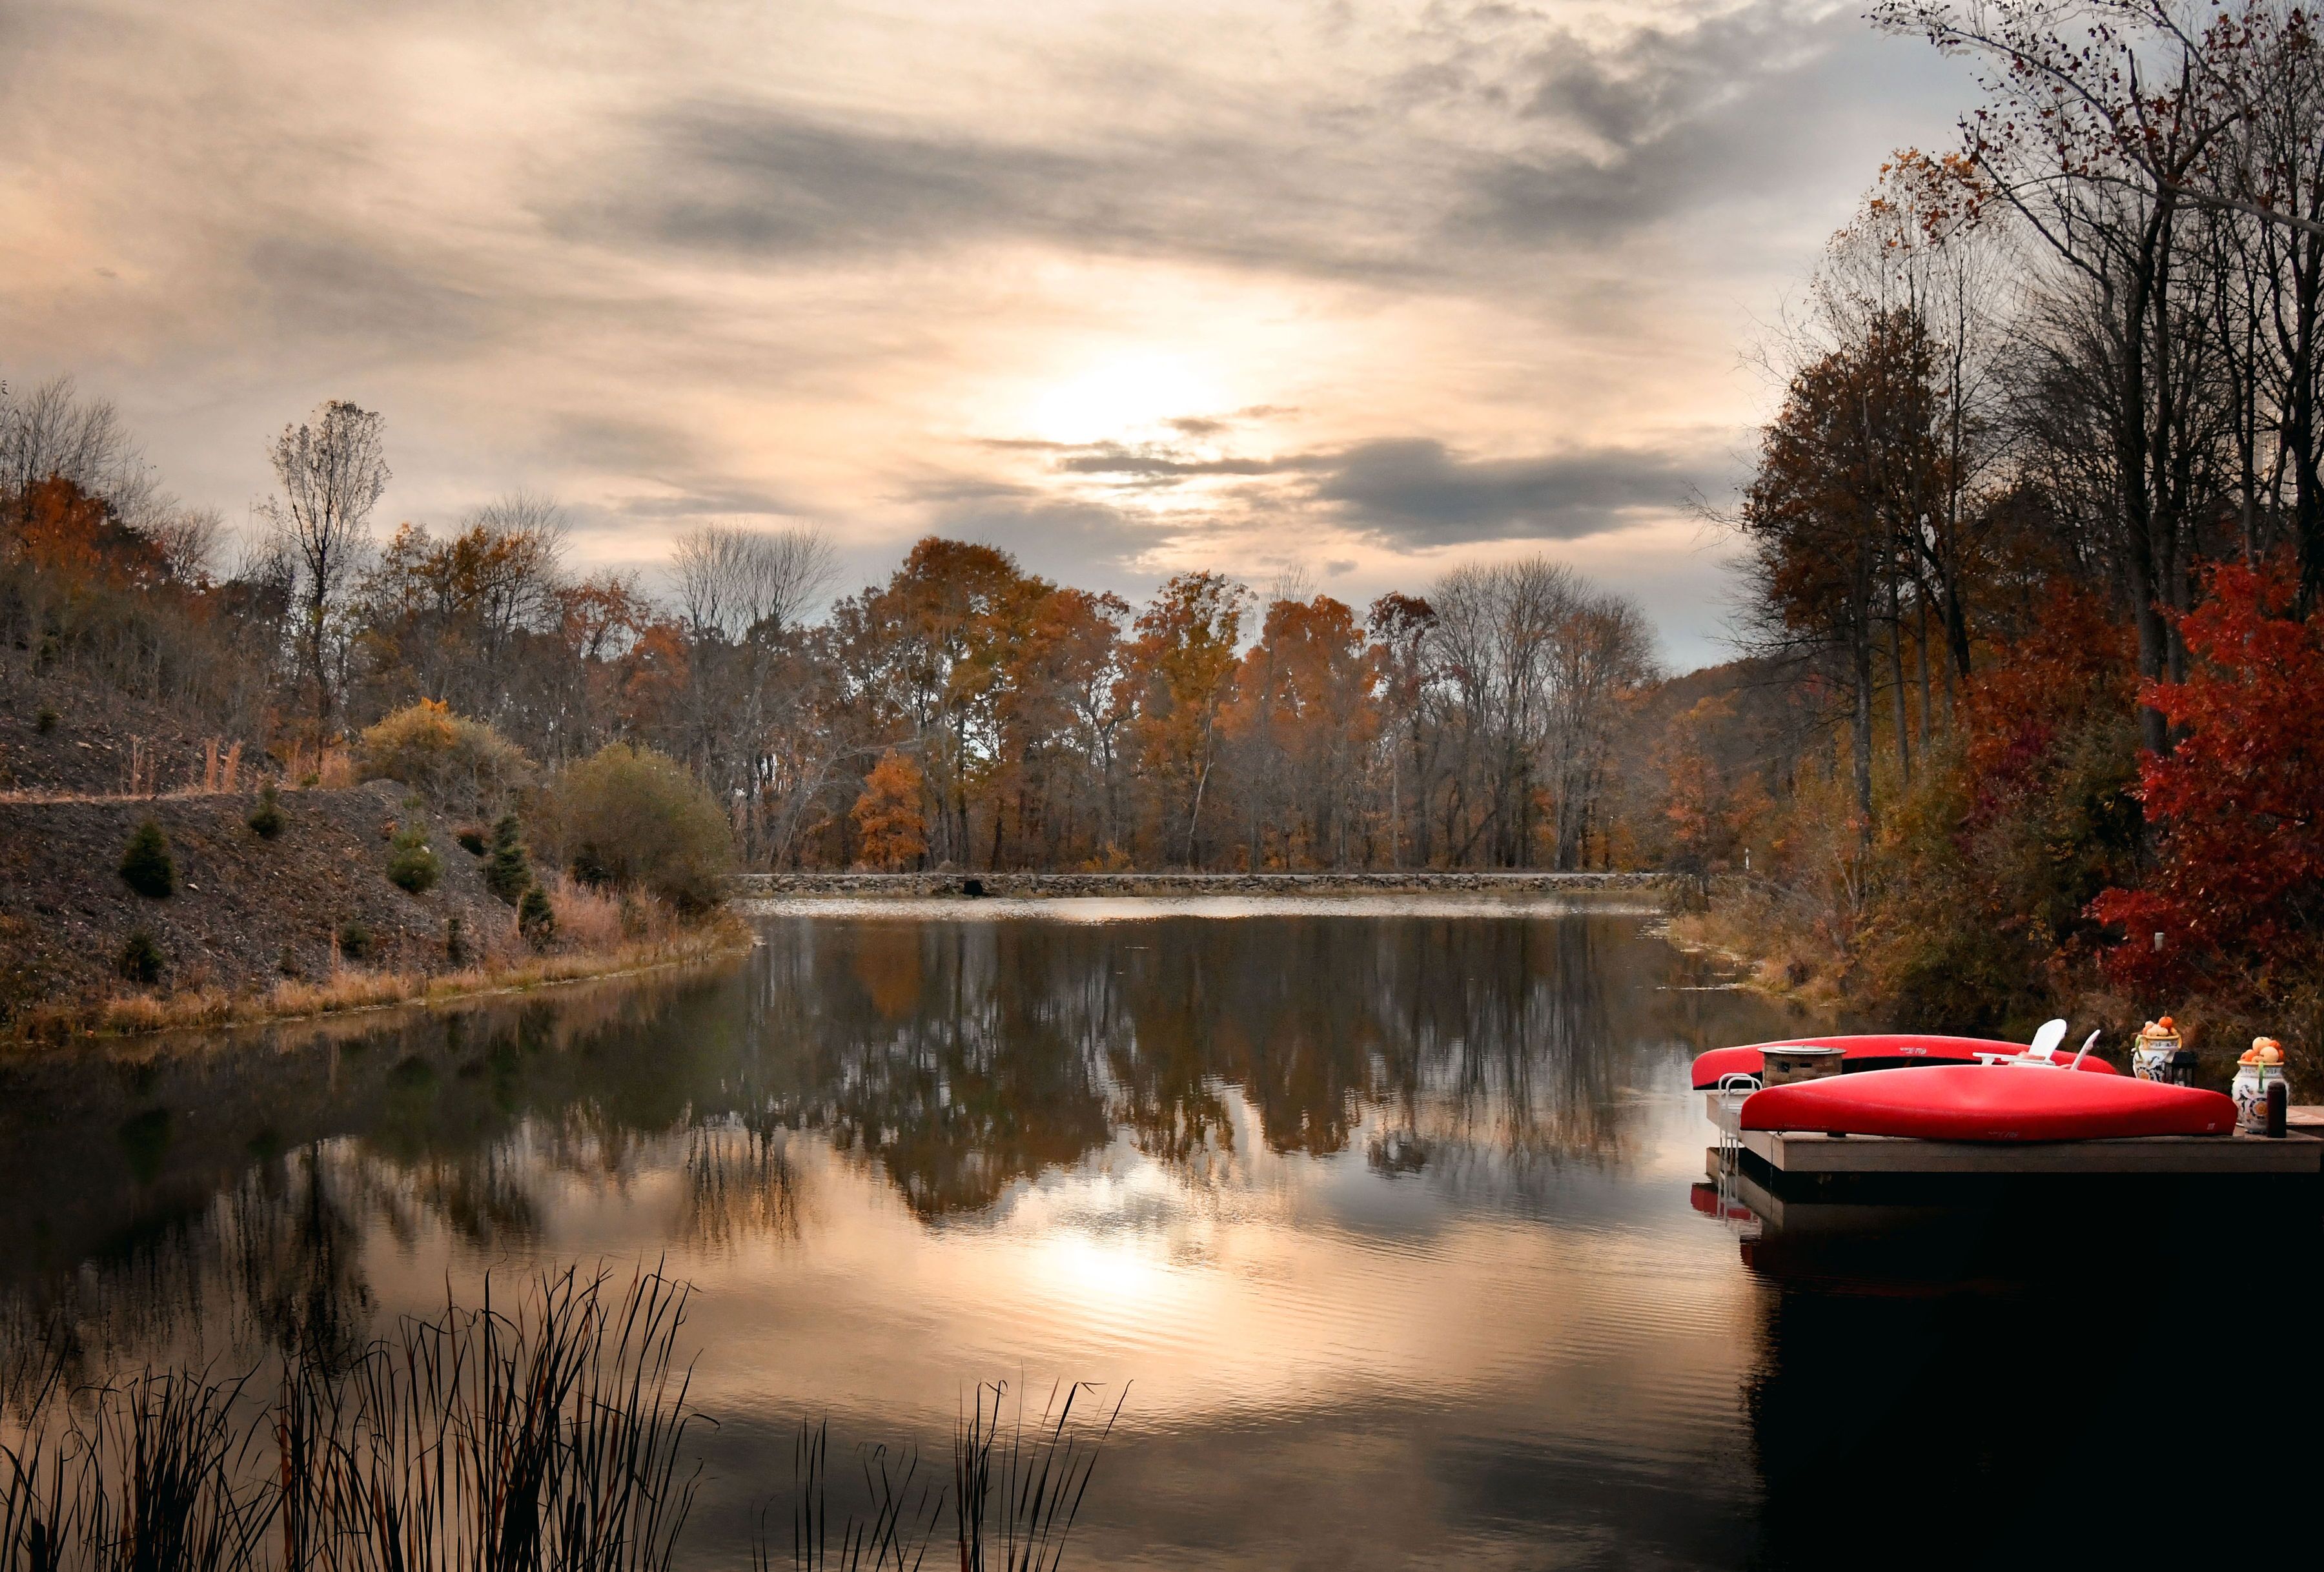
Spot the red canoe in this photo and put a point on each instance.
(1888, 1050)
(1989, 1102)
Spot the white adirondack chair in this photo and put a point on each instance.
(2043, 1054)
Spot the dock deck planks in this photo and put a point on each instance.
(1798, 1152)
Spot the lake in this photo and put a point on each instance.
(1385, 1214)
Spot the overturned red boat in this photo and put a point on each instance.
(1870, 1051)
(1989, 1102)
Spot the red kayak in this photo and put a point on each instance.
(1989, 1102)
(1888, 1050)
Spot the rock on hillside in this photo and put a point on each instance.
(247, 911)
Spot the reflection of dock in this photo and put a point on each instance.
(1796, 1165)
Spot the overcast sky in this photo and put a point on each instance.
(1360, 289)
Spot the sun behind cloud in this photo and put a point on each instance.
(1129, 398)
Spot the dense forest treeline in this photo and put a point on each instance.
(2026, 710)
(963, 713)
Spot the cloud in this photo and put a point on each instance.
(1502, 137)
(1115, 458)
(673, 262)
(1418, 493)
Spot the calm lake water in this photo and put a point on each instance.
(1386, 1214)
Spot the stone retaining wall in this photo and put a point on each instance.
(922, 886)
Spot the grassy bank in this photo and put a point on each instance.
(600, 936)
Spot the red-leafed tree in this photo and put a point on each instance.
(2237, 808)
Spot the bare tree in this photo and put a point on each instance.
(188, 539)
(332, 471)
(731, 582)
(54, 432)
(523, 537)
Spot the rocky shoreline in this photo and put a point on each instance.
(1056, 886)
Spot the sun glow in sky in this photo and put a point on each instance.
(1129, 398)
(1366, 288)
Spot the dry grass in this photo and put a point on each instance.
(1786, 958)
(598, 936)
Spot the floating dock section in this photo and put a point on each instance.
(1801, 1165)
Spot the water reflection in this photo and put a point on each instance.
(965, 1058)
(1385, 1215)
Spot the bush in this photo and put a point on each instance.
(535, 918)
(471, 841)
(456, 940)
(45, 721)
(265, 820)
(146, 865)
(508, 871)
(455, 762)
(411, 865)
(141, 959)
(355, 941)
(630, 817)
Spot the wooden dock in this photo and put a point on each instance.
(1788, 1159)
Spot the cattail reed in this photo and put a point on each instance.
(1017, 1488)
(551, 1433)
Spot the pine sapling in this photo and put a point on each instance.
(146, 865)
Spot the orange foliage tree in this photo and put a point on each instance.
(1181, 670)
(890, 824)
(1305, 715)
(2238, 807)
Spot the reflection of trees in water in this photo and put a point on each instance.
(292, 1238)
(1512, 1059)
(273, 1261)
(976, 1076)
(961, 1058)
(741, 1186)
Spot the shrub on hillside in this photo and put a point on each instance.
(508, 871)
(455, 762)
(355, 941)
(411, 864)
(472, 840)
(45, 721)
(632, 818)
(146, 865)
(141, 959)
(535, 919)
(265, 820)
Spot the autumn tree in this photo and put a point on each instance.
(1303, 720)
(2238, 805)
(444, 619)
(890, 829)
(1849, 456)
(1180, 672)
(1061, 711)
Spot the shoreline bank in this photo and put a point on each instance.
(357, 990)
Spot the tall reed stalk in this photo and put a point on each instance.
(1016, 1490)
(551, 1434)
